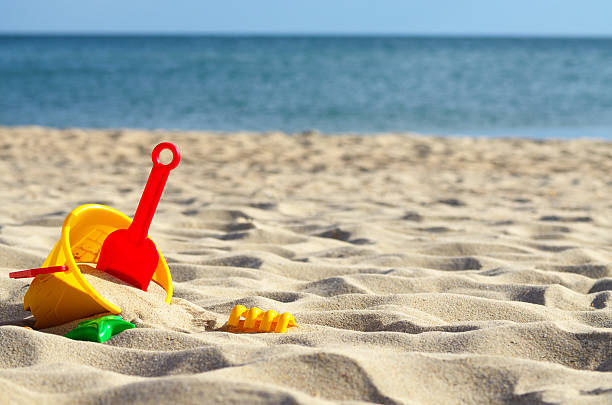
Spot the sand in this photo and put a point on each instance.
(419, 269)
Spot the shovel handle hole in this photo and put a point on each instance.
(176, 155)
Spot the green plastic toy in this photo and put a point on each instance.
(99, 329)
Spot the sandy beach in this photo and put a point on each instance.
(419, 269)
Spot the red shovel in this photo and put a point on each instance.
(129, 254)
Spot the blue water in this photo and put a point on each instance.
(481, 86)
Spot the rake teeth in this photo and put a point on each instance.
(255, 320)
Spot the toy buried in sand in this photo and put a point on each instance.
(257, 320)
(64, 296)
(99, 329)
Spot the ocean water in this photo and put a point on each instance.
(534, 87)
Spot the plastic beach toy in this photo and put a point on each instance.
(100, 329)
(258, 321)
(36, 272)
(62, 297)
(129, 254)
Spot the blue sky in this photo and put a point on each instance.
(511, 17)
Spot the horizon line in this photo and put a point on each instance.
(76, 33)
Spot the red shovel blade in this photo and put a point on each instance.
(36, 272)
(129, 254)
(131, 262)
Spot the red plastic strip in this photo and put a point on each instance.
(36, 272)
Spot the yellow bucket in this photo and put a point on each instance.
(62, 297)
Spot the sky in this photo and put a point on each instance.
(425, 17)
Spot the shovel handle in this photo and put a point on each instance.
(139, 229)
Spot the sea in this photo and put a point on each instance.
(482, 86)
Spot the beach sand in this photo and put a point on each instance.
(419, 269)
